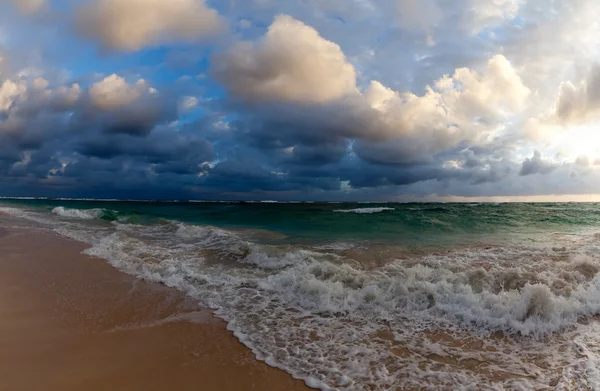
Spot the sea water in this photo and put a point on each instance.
(372, 296)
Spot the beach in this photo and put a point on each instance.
(72, 322)
(241, 296)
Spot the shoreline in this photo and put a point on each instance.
(72, 322)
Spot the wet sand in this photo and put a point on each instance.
(72, 322)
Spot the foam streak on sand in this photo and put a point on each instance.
(478, 315)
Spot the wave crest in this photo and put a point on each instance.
(82, 214)
(364, 210)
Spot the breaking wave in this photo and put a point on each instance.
(83, 214)
(95, 214)
(364, 210)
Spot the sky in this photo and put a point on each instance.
(350, 100)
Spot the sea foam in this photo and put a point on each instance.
(319, 319)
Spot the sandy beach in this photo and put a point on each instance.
(72, 322)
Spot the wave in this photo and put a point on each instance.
(23, 198)
(243, 251)
(320, 316)
(364, 210)
(212, 238)
(88, 199)
(83, 214)
(15, 212)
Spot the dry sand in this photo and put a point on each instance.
(72, 322)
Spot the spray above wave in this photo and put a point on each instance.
(364, 210)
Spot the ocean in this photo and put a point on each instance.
(372, 296)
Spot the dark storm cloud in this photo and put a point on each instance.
(537, 165)
(118, 136)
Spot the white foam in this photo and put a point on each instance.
(418, 296)
(84, 214)
(212, 238)
(364, 210)
(22, 213)
(230, 243)
(261, 257)
(24, 198)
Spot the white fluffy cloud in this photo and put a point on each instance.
(131, 25)
(467, 105)
(113, 91)
(21, 95)
(10, 91)
(292, 63)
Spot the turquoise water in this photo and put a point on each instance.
(381, 296)
(415, 223)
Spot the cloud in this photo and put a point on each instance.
(537, 165)
(583, 161)
(375, 137)
(29, 6)
(130, 25)
(166, 149)
(468, 106)
(113, 92)
(112, 135)
(116, 106)
(438, 18)
(579, 102)
(187, 103)
(486, 13)
(343, 99)
(420, 14)
(551, 42)
(291, 63)
(10, 91)
(302, 91)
